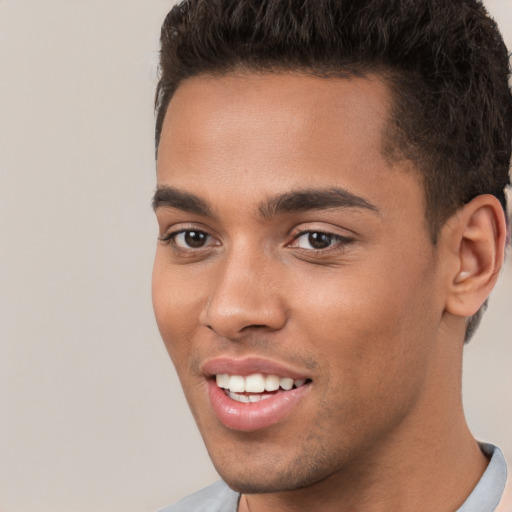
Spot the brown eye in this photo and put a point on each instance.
(191, 239)
(316, 240)
(195, 239)
(319, 240)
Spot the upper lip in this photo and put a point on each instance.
(250, 365)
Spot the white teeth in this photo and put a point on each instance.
(257, 398)
(271, 383)
(256, 383)
(247, 398)
(222, 380)
(239, 398)
(237, 383)
(286, 383)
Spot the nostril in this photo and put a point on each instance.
(255, 326)
(247, 333)
(245, 328)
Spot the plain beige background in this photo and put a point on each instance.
(91, 414)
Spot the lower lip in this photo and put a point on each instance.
(253, 416)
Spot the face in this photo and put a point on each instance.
(295, 285)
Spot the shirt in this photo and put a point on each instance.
(485, 497)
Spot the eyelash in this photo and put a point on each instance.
(170, 238)
(336, 242)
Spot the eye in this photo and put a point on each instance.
(191, 239)
(317, 240)
(188, 239)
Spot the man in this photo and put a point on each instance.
(331, 202)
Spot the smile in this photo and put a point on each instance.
(255, 387)
(252, 394)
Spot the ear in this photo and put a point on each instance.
(478, 235)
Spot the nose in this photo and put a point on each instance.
(244, 296)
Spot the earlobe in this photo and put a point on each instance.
(479, 232)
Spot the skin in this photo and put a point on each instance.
(376, 319)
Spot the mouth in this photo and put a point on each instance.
(255, 387)
(253, 394)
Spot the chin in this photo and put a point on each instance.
(262, 476)
(257, 484)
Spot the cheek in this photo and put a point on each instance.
(372, 324)
(176, 308)
(374, 358)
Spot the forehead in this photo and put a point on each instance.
(282, 107)
(263, 134)
(280, 92)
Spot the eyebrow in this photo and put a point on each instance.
(174, 198)
(313, 199)
(289, 202)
